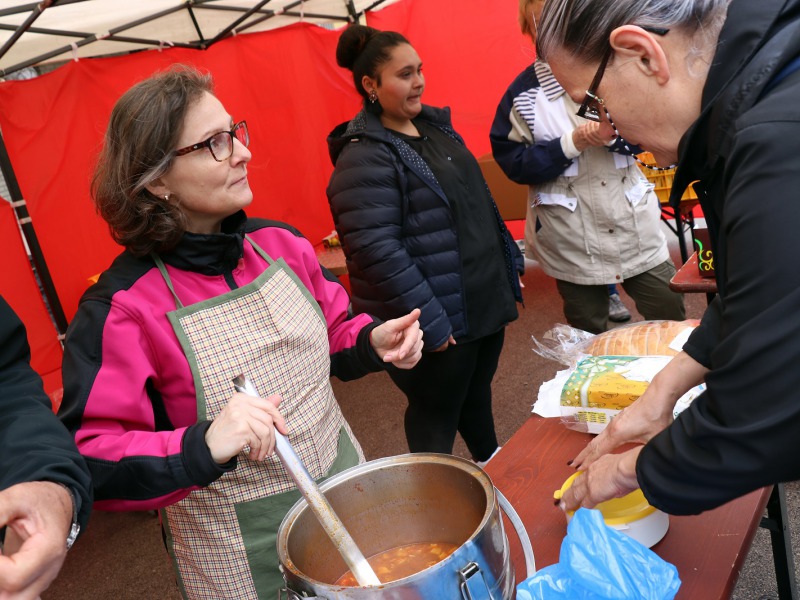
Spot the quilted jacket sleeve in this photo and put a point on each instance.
(366, 198)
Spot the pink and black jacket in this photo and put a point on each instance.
(129, 396)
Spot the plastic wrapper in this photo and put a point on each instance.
(599, 563)
(606, 372)
(568, 345)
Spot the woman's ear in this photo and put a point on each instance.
(631, 42)
(368, 83)
(158, 187)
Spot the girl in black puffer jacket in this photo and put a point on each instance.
(419, 229)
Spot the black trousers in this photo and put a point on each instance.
(449, 392)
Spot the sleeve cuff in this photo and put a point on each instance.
(201, 468)
(568, 146)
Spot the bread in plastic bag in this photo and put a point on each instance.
(568, 345)
(597, 562)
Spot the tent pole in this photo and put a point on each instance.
(35, 14)
(24, 219)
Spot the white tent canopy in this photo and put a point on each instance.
(34, 33)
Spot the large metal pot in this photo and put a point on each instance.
(400, 500)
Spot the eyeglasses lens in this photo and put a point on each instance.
(221, 145)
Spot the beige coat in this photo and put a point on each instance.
(598, 222)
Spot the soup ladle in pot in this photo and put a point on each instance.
(320, 506)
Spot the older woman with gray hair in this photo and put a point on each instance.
(713, 86)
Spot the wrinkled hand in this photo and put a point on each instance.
(399, 341)
(611, 476)
(592, 134)
(245, 421)
(650, 414)
(38, 516)
(638, 423)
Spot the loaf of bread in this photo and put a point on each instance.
(647, 338)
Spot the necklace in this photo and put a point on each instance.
(628, 148)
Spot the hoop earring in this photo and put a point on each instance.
(373, 96)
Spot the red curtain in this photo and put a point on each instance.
(18, 287)
(286, 84)
(471, 51)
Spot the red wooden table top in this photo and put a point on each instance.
(688, 279)
(708, 550)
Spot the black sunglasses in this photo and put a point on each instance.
(590, 108)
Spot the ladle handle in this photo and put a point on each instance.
(324, 512)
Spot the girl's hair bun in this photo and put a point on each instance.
(352, 43)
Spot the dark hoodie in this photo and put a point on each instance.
(400, 236)
(743, 432)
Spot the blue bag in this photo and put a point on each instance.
(599, 563)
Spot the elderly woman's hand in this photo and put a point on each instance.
(399, 341)
(611, 476)
(245, 421)
(592, 134)
(650, 414)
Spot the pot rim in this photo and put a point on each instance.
(399, 460)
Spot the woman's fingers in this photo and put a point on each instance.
(246, 421)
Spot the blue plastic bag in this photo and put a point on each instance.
(599, 563)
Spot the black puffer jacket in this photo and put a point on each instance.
(397, 229)
(743, 432)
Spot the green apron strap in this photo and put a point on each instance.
(165, 275)
(258, 249)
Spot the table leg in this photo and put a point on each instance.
(782, 556)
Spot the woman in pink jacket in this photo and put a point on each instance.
(201, 294)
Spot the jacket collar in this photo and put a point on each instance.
(367, 124)
(210, 254)
(741, 68)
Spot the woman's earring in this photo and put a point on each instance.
(373, 96)
(166, 197)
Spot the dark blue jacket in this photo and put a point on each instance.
(397, 228)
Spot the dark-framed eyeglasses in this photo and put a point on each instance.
(590, 107)
(221, 144)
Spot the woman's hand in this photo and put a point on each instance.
(650, 414)
(446, 345)
(245, 421)
(399, 341)
(611, 476)
(592, 134)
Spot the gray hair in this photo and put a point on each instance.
(583, 27)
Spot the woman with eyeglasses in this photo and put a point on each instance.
(593, 220)
(419, 229)
(201, 294)
(713, 86)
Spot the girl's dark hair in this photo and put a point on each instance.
(362, 50)
(142, 133)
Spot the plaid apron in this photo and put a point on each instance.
(223, 537)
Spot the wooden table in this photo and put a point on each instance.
(688, 280)
(708, 550)
(332, 258)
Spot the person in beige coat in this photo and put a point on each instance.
(593, 218)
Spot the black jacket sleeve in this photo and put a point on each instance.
(34, 445)
(742, 433)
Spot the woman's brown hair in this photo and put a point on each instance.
(142, 133)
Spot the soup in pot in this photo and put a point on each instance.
(402, 561)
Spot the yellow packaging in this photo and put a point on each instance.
(601, 386)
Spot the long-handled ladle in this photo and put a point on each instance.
(320, 506)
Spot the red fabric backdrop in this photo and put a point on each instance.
(286, 84)
(18, 287)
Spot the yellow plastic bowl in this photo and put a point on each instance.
(631, 514)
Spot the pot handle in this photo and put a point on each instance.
(519, 527)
